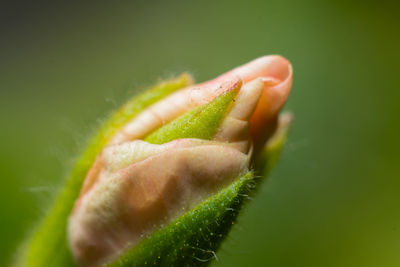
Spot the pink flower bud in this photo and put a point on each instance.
(135, 187)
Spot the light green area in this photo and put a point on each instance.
(48, 245)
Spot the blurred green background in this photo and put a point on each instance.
(334, 198)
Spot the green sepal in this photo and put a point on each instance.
(47, 245)
(201, 122)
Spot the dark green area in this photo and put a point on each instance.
(333, 198)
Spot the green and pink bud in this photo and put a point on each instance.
(144, 178)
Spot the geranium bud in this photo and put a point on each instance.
(135, 187)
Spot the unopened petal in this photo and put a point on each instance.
(275, 71)
(235, 127)
(170, 108)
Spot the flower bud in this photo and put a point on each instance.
(138, 184)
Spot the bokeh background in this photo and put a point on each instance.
(334, 198)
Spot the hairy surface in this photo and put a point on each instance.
(135, 187)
